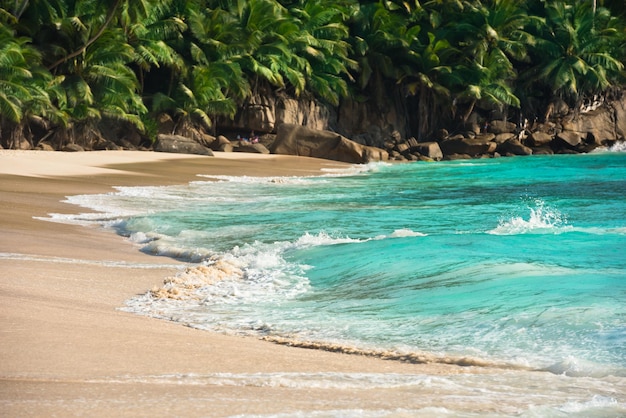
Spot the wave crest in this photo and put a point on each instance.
(542, 219)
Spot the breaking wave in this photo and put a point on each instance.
(542, 219)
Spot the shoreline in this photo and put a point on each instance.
(68, 350)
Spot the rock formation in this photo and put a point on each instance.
(180, 144)
(352, 132)
(298, 140)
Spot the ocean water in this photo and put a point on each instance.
(517, 263)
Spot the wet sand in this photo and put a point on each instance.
(67, 351)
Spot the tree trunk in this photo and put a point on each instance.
(469, 111)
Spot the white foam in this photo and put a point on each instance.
(301, 380)
(525, 394)
(82, 261)
(429, 412)
(594, 403)
(167, 249)
(402, 233)
(247, 274)
(322, 238)
(576, 367)
(542, 220)
(616, 147)
(82, 219)
(255, 180)
(356, 169)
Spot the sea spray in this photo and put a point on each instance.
(542, 219)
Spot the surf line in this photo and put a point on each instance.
(80, 261)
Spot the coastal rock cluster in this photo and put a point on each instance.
(575, 132)
(304, 128)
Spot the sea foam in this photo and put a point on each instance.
(543, 219)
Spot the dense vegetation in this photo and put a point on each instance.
(65, 63)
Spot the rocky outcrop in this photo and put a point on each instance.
(222, 143)
(620, 118)
(539, 139)
(569, 139)
(514, 147)
(479, 145)
(354, 131)
(501, 127)
(430, 150)
(367, 123)
(180, 144)
(411, 150)
(264, 111)
(599, 125)
(298, 140)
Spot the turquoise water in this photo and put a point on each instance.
(516, 262)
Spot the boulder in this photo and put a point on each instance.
(412, 143)
(225, 148)
(72, 148)
(481, 144)
(569, 139)
(252, 148)
(430, 150)
(503, 137)
(452, 157)
(539, 139)
(501, 127)
(105, 144)
(221, 143)
(44, 146)
(402, 147)
(598, 123)
(514, 147)
(543, 151)
(484, 138)
(166, 124)
(297, 140)
(620, 117)
(179, 144)
(206, 140)
(374, 154)
(125, 144)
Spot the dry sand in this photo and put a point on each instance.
(66, 350)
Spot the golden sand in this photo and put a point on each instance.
(66, 350)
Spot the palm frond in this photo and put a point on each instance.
(10, 109)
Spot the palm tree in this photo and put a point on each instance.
(494, 38)
(90, 48)
(428, 75)
(153, 32)
(24, 86)
(576, 54)
(320, 51)
(90, 29)
(381, 37)
(495, 25)
(488, 84)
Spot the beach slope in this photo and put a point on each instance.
(67, 350)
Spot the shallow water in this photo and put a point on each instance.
(517, 263)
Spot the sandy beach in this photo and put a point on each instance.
(67, 350)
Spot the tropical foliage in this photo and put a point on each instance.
(74, 62)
